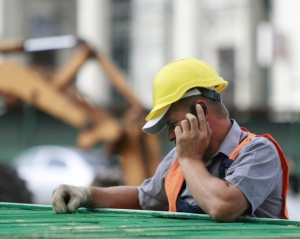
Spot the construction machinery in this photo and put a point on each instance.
(55, 95)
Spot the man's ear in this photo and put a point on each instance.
(203, 105)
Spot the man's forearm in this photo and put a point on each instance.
(221, 200)
(125, 197)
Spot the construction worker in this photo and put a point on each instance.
(216, 168)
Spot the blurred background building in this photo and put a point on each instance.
(253, 44)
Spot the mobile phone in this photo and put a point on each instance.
(194, 112)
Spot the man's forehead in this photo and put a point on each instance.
(179, 106)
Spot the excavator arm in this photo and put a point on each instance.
(29, 86)
(140, 153)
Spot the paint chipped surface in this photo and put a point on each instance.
(35, 221)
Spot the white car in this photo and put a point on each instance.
(43, 168)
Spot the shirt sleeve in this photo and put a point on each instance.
(256, 171)
(152, 195)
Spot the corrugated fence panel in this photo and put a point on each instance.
(35, 221)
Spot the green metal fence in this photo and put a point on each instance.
(35, 221)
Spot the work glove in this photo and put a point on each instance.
(67, 198)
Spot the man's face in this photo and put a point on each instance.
(174, 116)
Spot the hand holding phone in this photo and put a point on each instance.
(194, 111)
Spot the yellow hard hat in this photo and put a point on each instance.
(174, 80)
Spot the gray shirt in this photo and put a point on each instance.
(256, 171)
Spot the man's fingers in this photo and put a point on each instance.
(185, 125)
(59, 207)
(73, 204)
(193, 122)
(58, 202)
(177, 130)
(201, 117)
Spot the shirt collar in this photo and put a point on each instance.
(233, 139)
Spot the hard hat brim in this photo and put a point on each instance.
(156, 125)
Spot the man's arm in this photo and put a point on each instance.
(223, 201)
(67, 198)
(125, 197)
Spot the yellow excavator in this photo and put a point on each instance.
(55, 95)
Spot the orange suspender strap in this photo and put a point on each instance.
(173, 184)
(285, 177)
(284, 166)
(241, 145)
